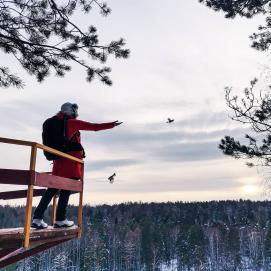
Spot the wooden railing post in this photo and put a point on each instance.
(28, 212)
(80, 209)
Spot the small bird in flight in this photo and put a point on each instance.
(170, 120)
(111, 178)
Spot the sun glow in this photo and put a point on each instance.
(249, 188)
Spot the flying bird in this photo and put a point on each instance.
(111, 178)
(170, 120)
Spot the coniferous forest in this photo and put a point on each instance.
(216, 235)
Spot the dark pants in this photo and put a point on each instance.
(45, 200)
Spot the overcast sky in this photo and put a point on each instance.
(182, 57)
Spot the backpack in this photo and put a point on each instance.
(54, 136)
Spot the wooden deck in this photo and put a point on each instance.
(11, 241)
(14, 236)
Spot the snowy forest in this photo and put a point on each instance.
(216, 235)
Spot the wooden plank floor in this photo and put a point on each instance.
(13, 237)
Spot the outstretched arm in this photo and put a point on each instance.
(77, 125)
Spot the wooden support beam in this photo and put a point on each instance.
(16, 176)
(19, 194)
(22, 253)
(5, 251)
(52, 181)
(27, 177)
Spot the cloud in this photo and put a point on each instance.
(160, 141)
(104, 164)
(208, 123)
(188, 152)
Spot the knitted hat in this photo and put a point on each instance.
(70, 109)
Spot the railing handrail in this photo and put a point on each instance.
(16, 141)
(40, 146)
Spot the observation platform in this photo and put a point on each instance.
(19, 243)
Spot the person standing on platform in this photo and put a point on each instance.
(66, 123)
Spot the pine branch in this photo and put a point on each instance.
(28, 26)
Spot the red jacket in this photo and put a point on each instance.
(67, 168)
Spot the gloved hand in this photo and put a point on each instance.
(116, 123)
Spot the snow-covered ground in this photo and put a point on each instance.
(171, 267)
